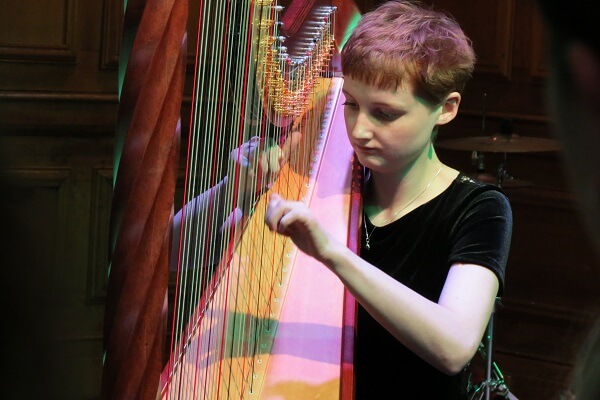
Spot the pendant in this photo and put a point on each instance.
(367, 244)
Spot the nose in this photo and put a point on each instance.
(359, 126)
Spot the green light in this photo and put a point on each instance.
(352, 22)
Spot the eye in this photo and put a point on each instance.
(385, 116)
(349, 104)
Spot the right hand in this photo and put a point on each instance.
(295, 220)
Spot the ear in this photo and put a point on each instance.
(449, 108)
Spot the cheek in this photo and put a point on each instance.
(350, 122)
(405, 133)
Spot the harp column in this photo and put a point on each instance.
(152, 71)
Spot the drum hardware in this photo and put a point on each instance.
(500, 178)
(505, 142)
(494, 383)
(502, 143)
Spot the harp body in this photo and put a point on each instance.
(294, 335)
(268, 322)
(255, 338)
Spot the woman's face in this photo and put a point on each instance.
(388, 129)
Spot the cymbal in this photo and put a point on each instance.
(499, 143)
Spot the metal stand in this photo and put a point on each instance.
(501, 174)
(494, 380)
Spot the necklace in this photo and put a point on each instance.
(368, 235)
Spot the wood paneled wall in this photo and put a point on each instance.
(58, 103)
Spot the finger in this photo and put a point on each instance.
(274, 199)
(274, 211)
(241, 155)
(262, 151)
(289, 146)
(272, 160)
(254, 147)
(269, 165)
(254, 141)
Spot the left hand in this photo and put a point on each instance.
(259, 164)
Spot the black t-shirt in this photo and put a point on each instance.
(470, 222)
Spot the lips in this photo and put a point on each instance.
(363, 149)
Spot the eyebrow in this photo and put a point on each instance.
(394, 105)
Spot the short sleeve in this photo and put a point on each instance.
(482, 233)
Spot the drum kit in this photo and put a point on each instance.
(505, 142)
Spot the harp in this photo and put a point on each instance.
(253, 317)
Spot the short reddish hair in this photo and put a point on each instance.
(404, 41)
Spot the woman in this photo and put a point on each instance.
(435, 242)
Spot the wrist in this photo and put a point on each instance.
(334, 255)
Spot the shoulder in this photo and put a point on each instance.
(468, 195)
(469, 187)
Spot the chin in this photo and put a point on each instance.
(373, 165)
(368, 161)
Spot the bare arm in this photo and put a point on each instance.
(446, 334)
(196, 212)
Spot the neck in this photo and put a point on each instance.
(391, 196)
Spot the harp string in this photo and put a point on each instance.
(205, 153)
(228, 289)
